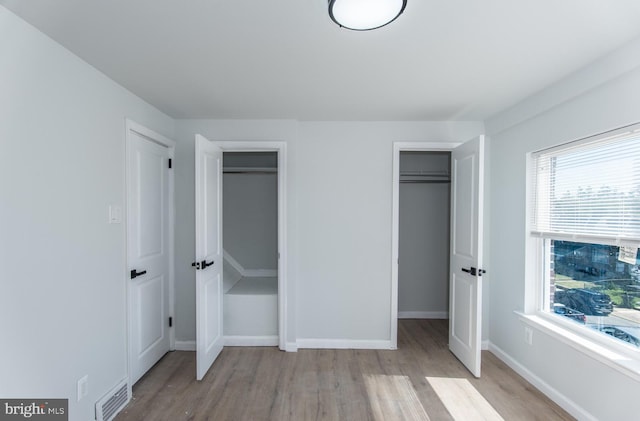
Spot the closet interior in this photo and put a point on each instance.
(250, 238)
(424, 208)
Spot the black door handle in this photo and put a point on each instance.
(135, 273)
(204, 264)
(471, 270)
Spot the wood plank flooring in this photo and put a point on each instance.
(415, 382)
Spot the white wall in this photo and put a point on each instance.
(600, 97)
(250, 209)
(62, 267)
(339, 219)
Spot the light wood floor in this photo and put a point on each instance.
(420, 381)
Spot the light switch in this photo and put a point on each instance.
(115, 214)
(83, 387)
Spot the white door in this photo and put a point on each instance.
(465, 272)
(209, 294)
(149, 252)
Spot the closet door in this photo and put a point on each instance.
(209, 287)
(465, 273)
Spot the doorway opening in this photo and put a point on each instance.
(250, 238)
(424, 233)
(462, 167)
(406, 149)
(209, 233)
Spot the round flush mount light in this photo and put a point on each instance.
(364, 15)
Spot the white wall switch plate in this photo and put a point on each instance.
(83, 387)
(115, 214)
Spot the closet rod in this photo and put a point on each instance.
(426, 181)
(249, 170)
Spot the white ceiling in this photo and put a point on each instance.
(441, 60)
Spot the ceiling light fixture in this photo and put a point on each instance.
(364, 15)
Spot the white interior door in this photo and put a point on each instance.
(149, 252)
(209, 293)
(465, 272)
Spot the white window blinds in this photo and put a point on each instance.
(589, 188)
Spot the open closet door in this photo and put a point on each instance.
(209, 294)
(465, 273)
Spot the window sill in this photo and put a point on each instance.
(622, 360)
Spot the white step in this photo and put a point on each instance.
(251, 308)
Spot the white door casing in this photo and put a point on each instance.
(284, 316)
(209, 258)
(465, 273)
(149, 247)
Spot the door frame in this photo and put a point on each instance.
(281, 149)
(133, 127)
(395, 216)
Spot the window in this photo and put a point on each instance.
(586, 214)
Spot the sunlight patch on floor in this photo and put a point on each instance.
(462, 400)
(394, 398)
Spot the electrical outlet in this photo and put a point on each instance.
(83, 387)
(528, 335)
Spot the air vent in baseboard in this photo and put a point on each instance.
(108, 407)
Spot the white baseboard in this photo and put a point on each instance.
(290, 347)
(485, 345)
(251, 340)
(343, 344)
(423, 315)
(185, 345)
(567, 404)
(235, 341)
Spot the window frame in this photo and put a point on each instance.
(611, 351)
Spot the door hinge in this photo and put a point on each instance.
(170, 163)
(170, 321)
